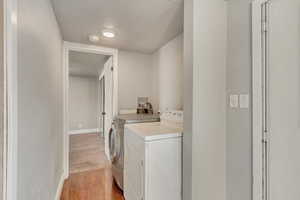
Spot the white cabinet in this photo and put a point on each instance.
(134, 170)
(152, 168)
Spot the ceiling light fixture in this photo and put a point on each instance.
(108, 33)
(94, 38)
(14, 18)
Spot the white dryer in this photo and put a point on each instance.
(153, 159)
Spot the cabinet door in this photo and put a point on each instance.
(163, 169)
(134, 172)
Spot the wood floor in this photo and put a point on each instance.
(91, 185)
(91, 178)
(87, 152)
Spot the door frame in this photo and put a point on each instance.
(257, 99)
(10, 120)
(84, 48)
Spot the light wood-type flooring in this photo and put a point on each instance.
(91, 177)
(87, 152)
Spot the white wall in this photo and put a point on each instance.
(83, 102)
(158, 76)
(40, 132)
(209, 99)
(135, 79)
(168, 75)
(84, 69)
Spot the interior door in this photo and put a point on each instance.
(108, 101)
(102, 105)
(283, 99)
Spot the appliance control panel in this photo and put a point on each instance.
(173, 115)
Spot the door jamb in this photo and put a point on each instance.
(10, 120)
(69, 46)
(257, 103)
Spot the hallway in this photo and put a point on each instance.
(87, 153)
(90, 173)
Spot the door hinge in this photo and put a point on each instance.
(265, 26)
(265, 136)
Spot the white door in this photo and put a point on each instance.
(101, 105)
(108, 101)
(283, 77)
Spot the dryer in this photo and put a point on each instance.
(153, 159)
(116, 141)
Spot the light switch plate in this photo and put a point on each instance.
(244, 101)
(234, 101)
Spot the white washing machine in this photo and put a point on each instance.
(116, 141)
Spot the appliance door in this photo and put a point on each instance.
(114, 144)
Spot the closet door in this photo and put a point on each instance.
(283, 98)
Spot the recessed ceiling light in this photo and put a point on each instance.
(14, 18)
(94, 38)
(108, 33)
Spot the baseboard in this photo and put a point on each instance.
(60, 187)
(83, 131)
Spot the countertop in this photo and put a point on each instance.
(155, 131)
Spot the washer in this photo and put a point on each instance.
(116, 141)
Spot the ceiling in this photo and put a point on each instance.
(140, 25)
(86, 64)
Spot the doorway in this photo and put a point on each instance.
(90, 102)
(109, 107)
(86, 141)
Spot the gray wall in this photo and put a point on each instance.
(238, 80)
(284, 99)
(2, 97)
(135, 79)
(40, 133)
(209, 100)
(238, 133)
(168, 78)
(83, 102)
(188, 99)
(157, 76)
